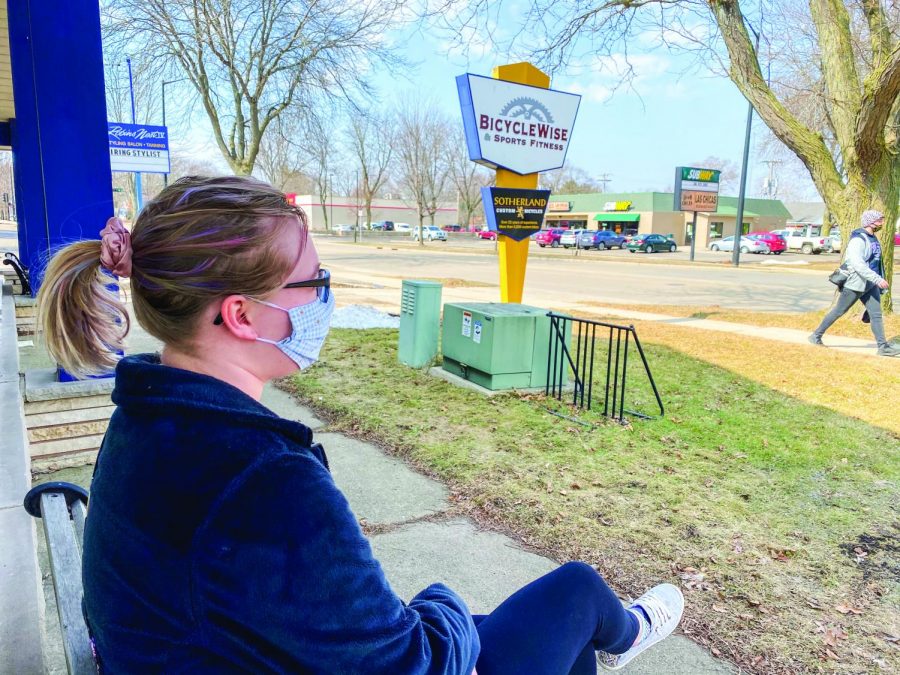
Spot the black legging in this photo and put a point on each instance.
(553, 626)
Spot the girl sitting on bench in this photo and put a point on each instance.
(216, 539)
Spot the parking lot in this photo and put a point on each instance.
(470, 242)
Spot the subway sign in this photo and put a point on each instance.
(696, 189)
(515, 126)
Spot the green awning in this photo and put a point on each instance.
(617, 217)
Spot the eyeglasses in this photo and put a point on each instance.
(322, 284)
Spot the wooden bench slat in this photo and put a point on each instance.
(79, 513)
(65, 563)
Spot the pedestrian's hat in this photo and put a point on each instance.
(871, 217)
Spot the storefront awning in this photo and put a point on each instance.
(617, 217)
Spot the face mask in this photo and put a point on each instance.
(309, 327)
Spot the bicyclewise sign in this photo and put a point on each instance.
(514, 212)
(516, 126)
(138, 147)
(696, 189)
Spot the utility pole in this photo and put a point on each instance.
(138, 188)
(739, 220)
(603, 180)
(771, 190)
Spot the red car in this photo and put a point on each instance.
(486, 234)
(897, 239)
(776, 242)
(549, 237)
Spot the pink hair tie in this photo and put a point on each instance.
(115, 248)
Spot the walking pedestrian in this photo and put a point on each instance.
(216, 540)
(865, 283)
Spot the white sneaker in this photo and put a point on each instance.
(664, 604)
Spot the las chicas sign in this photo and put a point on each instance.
(514, 126)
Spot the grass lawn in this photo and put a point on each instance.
(778, 518)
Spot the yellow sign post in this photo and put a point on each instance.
(514, 254)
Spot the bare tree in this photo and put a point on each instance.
(371, 138)
(421, 148)
(250, 60)
(569, 180)
(467, 178)
(729, 172)
(319, 132)
(830, 88)
(282, 158)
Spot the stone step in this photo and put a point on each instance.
(62, 404)
(65, 446)
(68, 423)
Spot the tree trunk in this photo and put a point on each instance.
(421, 229)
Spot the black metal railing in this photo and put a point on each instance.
(580, 359)
(11, 259)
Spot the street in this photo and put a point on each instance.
(591, 277)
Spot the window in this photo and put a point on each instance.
(715, 229)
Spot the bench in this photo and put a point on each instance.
(62, 508)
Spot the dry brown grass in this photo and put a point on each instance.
(849, 325)
(864, 387)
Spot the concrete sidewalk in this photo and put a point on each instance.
(384, 293)
(417, 547)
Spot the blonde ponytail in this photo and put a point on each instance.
(83, 321)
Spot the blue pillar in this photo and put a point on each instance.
(59, 137)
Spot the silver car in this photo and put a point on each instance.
(748, 245)
(570, 238)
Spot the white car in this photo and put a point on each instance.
(402, 227)
(748, 245)
(432, 233)
(344, 229)
(570, 238)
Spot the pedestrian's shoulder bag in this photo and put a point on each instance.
(839, 276)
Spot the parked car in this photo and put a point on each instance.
(601, 239)
(650, 243)
(775, 242)
(803, 239)
(485, 233)
(570, 238)
(629, 235)
(748, 245)
(834, 242)
(897, 239)
(432, 233)
(384, 225)
(549, 237)
(403, 227)
(452, 228)
(344, 229)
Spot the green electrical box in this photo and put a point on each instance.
(498, 345)
(420, 322)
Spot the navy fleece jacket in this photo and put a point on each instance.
(217, 541)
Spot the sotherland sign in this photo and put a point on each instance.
(515, 126)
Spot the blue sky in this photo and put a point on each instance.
(637, 134)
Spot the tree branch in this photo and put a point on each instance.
(879, 31)
(746, 74)
(881, 93)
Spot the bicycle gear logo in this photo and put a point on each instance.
(514, 126)
(528, 108)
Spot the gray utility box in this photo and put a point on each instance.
(497, 345)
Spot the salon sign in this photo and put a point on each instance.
(515, 126)
(139, 148)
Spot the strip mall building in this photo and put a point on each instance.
(652, 212)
